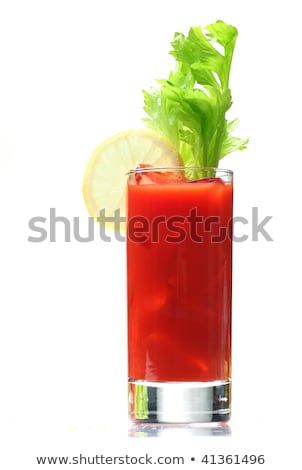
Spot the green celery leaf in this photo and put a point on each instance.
(189, 107)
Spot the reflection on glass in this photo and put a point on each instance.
(177, 430)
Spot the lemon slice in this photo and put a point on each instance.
(105, 179)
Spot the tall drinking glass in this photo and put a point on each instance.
(179, 275)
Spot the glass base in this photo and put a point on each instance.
(179, 402)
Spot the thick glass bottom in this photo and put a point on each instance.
(179, 402)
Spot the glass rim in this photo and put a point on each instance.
(179, 167)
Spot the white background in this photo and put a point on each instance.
(71, 75)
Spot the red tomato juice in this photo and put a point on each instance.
(179, 270)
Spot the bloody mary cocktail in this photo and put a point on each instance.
(178, 231)
(179, 257)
